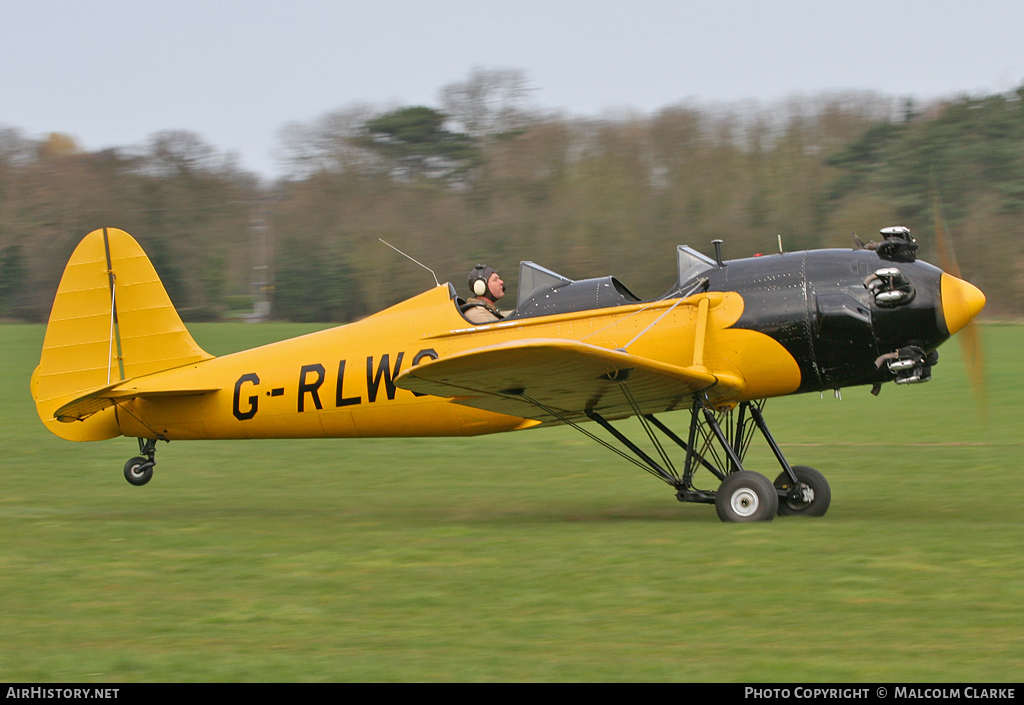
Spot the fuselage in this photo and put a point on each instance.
(782, 324)
(341, 382)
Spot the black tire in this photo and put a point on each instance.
(746, 496)
(138, 471)
(814, 487)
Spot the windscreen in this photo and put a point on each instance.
(691, 263)
(533, 277)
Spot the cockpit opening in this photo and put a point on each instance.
(543, 292)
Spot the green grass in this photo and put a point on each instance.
(528, 556)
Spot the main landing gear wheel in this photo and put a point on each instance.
(746, 496)
(138, 471)
(815, 494)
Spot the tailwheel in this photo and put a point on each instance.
(139, 470)
(810, 497)
(746, 496)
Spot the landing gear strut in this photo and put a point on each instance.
(139, 470)
(743, 496)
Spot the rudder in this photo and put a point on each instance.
(111, 320)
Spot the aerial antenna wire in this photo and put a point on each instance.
(414, 260)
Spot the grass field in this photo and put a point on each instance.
(529, 556)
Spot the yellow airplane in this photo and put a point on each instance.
(117, 360)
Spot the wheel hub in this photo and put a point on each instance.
(803, 496)
(744, 502)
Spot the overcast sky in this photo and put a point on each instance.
(112, 72)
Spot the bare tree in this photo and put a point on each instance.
(329, 143)
(489, 103)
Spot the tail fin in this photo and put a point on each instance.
(111, 320)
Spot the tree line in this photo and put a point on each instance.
(485, 177)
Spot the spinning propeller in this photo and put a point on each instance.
(961, 301)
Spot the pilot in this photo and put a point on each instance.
(487, 288)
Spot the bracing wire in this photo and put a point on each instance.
(564, 419)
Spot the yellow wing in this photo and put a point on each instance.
(567, 377)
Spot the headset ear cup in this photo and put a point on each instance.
(479, 287)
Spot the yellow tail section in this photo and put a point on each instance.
(111, 320)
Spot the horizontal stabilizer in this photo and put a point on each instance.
(85, 406)
(567, 377)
